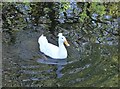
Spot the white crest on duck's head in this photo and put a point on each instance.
(60, 34)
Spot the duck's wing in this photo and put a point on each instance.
(51, 50)
(48, 48)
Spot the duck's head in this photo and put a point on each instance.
(62, 39)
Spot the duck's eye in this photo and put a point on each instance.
(62, 38)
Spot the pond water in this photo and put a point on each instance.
(93, 64)
(59, 63)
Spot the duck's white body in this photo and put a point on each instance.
(53, 51)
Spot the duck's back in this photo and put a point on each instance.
(48, 48)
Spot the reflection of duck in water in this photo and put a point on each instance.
(53, 51)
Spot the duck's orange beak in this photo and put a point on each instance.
(66, 43)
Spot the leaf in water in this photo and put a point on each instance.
(81, 20)
(26, 1)
(9, 21)
(115, 59)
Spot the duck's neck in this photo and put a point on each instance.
(62, 50)
(61, 47)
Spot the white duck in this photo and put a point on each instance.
(53, 51)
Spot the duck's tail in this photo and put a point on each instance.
(42, 43)
(42, 39)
